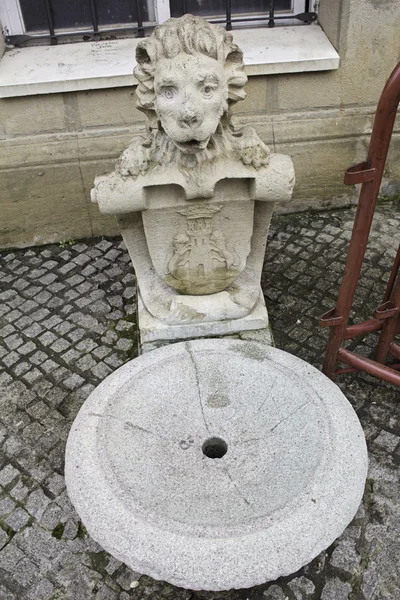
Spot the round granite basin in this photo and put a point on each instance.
(216, 464)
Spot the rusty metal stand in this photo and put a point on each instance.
(387, 315)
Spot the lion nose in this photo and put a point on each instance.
(189, 116)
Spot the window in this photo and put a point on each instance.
(26, 21)
(241, 10)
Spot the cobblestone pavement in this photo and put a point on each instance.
(67, 320)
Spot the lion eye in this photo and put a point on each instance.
(168, 93)
(208, 91)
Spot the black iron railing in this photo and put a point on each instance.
(306, 17)
(139, 26)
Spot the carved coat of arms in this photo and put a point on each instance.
(204, 253)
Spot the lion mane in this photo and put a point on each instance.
(191, 35)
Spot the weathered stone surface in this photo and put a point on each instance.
(346, 557)
(302, 587)
(17, 519)
(189, 195)
(274, 593)
(237, 462)
(153, 330)
(336, 589)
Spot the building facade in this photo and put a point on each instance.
(67, 112)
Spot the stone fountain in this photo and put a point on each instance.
(210, 463)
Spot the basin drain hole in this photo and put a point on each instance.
(215, 447)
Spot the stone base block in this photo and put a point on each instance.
(216, 464)
(262, 336)
(152, 330)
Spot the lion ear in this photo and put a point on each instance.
(142, 56)
(235, 75)
(234, 58)
(144, 73)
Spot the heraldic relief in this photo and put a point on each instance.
(201, 260)
(194, 195)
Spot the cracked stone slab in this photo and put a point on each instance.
(216, 464)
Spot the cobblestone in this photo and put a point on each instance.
(10, 557)
(8, 475)
(274, 593)
(86, 362)
(19, 492)
(387, 440)
(65, 329)
(60, 345)
(37, 503)
(13, 341)
(47, 338)
(27, 348)
(336, 589)
(17, 519)
(73, 381)
(346, 557)
(301, 587)
(32, 375)
(34, 330)
(44, 590)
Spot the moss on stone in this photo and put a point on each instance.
(58, 531)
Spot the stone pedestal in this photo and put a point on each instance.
(216, 464)
(198, 244)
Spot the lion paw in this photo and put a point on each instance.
(256, 156)
(135, 160)
(252, 151)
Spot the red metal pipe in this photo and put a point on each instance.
(394, 350)
(347, 370)
(369, 326)
(390, 327)
(392, 278)
(369, 366)
(370, 174)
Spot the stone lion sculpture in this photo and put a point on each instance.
(193, 196)
(189, 74)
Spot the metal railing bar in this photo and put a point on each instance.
(310, 18)
(50, 20)
(15, 40)
(139, 18)
(228, 15)
(93, 9)
(305, 17)
(141, 27)
(21, 39)
(271, 22)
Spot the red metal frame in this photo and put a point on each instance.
(387, 315)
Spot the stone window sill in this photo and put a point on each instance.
(109, 64)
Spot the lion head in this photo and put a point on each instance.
(189, 72)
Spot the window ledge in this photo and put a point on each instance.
(108, 64)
